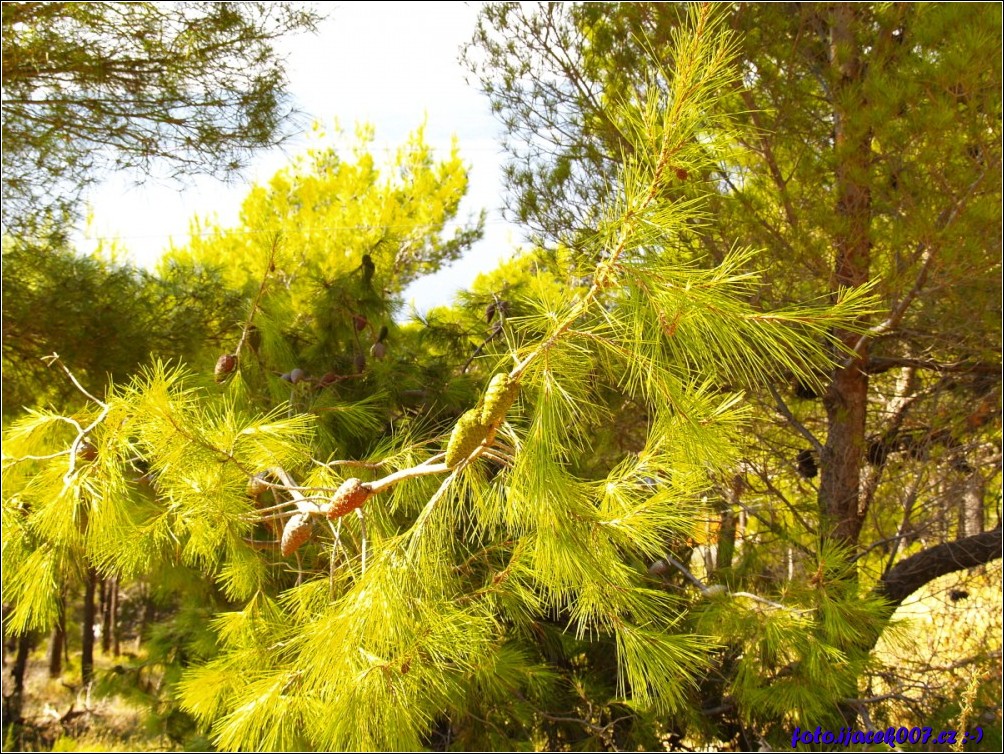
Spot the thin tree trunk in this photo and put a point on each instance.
(20, 668)
(105, 602)
(728, 524)
(726, 540)
(6, 607)
(57, 642)
(12, 702)
(972, 504)
(87, 629)
(149, 614)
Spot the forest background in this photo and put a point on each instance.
(661, 480)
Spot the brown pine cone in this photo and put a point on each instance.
(296, 532)
(351, 495)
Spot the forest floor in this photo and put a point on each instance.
(58, 714)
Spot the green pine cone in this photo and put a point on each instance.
(499, 397)
(467, 435)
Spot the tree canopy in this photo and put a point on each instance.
(178, 87)
(58, 301)
(870, 153)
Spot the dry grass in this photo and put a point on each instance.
(60, 715)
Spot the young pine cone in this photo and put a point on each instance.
(467, 435)
(351, 495)
(499, 397)
(296, 532)
(225, 365)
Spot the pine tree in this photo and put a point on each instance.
(469, 584)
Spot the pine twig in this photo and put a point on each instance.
(419, 524)
(82, 432)
(352, 464)
(336, 546)
(261, 292)
(423, 469)
(54, 359)
(496, 331)
(716, 589)
(362, 536)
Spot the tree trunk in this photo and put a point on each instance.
(148, 616)
(113, 615)
(728, 524)
(17, 673)
(972, 504)
(12, 701)
(57, 642)
(846, 400)
(87, 629)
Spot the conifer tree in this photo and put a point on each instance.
(497, 580)
(867, 148)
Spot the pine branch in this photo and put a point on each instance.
(362, 536)
(82, 432)
(54, 359)
(496, 331)
(911, 574)
(925, 254)
(799, 427)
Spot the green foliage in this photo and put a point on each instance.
(189, 87)
(57, 301)
(331, 211)
(336, 239)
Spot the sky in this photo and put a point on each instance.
(391, 64)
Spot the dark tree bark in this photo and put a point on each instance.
(87, 629)
(17, 673)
